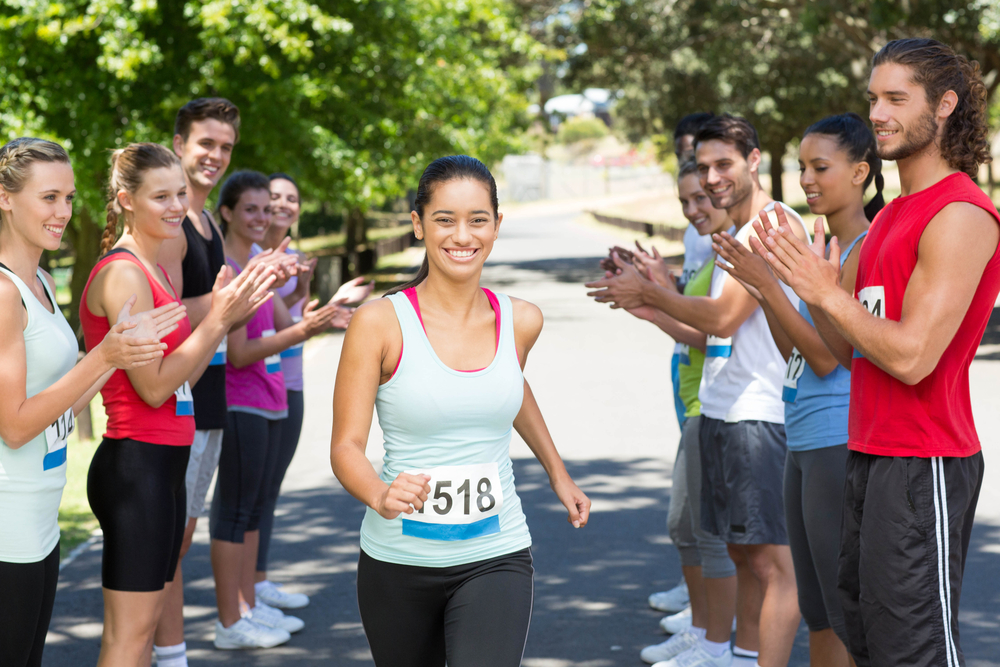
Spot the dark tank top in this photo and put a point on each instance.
(201, 265)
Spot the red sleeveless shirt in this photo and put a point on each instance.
(128, 415)
(933, 417)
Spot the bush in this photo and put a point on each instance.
(578, 129)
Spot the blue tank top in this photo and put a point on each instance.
(455, 426)
(816, 408)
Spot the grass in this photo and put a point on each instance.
(76, 521)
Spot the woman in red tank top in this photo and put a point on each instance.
(136, 480)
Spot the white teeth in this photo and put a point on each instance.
(812, 195)
(461, 253)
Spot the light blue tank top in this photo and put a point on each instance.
(32, 476)
(435, 417)
(816, 409)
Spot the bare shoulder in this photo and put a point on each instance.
(373, 317)
(528, 318)
(956, 225)
(10, 296)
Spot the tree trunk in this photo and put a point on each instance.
(356, 236)
(85, 239)
(777, 153)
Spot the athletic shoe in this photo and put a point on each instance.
(679, 622)
(273, 595)
(671, 648)
(244, 633)
(270, 617)
(697, 656)
(672, 601)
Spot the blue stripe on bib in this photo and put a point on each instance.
(54, 459)
(452, 532)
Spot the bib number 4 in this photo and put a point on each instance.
(873, 299)
(465, 502)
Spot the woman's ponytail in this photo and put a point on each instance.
(877, 203)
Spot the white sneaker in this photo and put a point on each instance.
(244, 633)
(672, 601)
(273, 595)
(679, 622)
(270, 617)
(697, 656)
(673, 647)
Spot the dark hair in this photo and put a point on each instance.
(938, 69)
(128, 166)
(855, 138)
(217, 108)
(282, 176)
(734, 130)
(442, 170)
(691, 123)
(234, 187)
(687, 168)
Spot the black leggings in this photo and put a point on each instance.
(473, 615)
(137, 492)
(291, 427)
(27, 595)
(250, 448)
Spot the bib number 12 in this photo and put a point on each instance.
(796, 366)
(464, 502)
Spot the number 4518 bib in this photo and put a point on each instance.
(464, 502)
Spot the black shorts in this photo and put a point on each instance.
(137, 492)
(742, 478)
(906, 532)
(472, 615)
(27, 595)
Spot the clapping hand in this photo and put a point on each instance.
(802, 267)
(134, 341)
(353, 291)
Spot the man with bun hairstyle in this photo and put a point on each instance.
(915, 466)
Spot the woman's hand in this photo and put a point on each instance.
(342, 318)
(317, 320)
(652, 266)
(406, 494)
(303, 274)
(134, 341)
(573, 499)
(353, 291)
(234, 300)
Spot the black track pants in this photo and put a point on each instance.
(27, 595)
(473, 615)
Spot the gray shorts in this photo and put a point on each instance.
(742, 472)
(202, 463)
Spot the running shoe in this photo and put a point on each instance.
(672, 601)
(273, 595)
(244, 633)
(679, 622)
(671, 648)
(697, 656)
(270, 617)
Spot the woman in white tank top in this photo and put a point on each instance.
(42, 387)
(445, 570)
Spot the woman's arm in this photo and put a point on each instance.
(530, 424)
(243, 351)
(362, 362)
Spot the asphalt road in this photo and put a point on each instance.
(602, 380)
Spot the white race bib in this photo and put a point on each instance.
(294, 350)
(56, 435)
(464, 502)
(272, 363)
(219, 358)
(719, 347)
(185, 401)
(796, 366)
(873, 299)
(684, 352)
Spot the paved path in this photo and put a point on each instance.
(601, 378)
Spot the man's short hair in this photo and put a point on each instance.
(734, 130)
(204, 108)
(691, 123)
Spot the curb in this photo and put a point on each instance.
(96, 536)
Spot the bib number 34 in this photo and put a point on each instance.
(465, 502)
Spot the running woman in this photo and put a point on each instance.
(837, 163)
(136, 481)
(742, 433)
(445, 569)
(708, 570)
(915, 466)
(257, 408)
(285, 213)
(42, 387)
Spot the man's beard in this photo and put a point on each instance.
(922, 136)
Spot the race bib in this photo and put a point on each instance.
(272, 363)
(294, 350)
(685, 354)
(56, 435)
(464, 502)
(219, 358)
(873, 299)
(718, 347)
(185, 401)
(794, 370)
